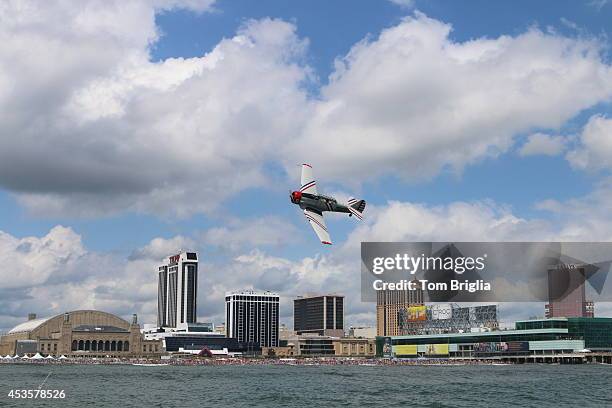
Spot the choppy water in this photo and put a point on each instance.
(317, 386)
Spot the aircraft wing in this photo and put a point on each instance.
(308, 182)
(317, 222)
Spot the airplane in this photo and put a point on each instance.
(314, 204)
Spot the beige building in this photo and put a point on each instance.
(323, 346)
(286, 351)
(89, 333)
(388, 306)
(353, 347)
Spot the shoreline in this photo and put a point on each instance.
(271, 362)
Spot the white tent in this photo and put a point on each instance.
(8, 357)
(2, 357)
(38, 356)
(49, 357)
(15, 356)
(62, 357)
(25, 357)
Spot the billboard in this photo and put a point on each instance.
(405, 350)
(441, 311)
(387, 349)
(417, 313)
(437, 350)
(502, 347)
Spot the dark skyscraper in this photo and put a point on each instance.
(323, 314)
(177, 290)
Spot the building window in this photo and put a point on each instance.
(126, 346)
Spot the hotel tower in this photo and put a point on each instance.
(177, 290)
(252, 317)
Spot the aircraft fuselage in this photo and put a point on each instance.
(318, 203)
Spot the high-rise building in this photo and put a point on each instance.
(566, 293)
(177, 290)
(252, 317)
(389, 305)
(321, 314)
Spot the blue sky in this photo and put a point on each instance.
(332, 28)
(501, 178)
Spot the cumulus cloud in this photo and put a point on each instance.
(586, 218)
(414, 102)
(595, 149)
(56, 273)
(243, 233)
(32, 261)
(60, 274)
(160, 248)
(543, 144)
(101, 128)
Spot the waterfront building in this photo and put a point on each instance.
(354, 347)
(319, 314)
(314, 345)
(389, 305)
(192, 338)
(252, 317)
(541, 337)
(177, 290)
(89, 333)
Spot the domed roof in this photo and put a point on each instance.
(94, 318)
(28, 326)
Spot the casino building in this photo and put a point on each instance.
(177, 290)
(529, 341)
(319, 314)
(90, 333)
(252, 317)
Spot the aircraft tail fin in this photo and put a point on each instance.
(356, 207)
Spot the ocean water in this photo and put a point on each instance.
(313, 386)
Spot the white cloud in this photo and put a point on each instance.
(543, 144)
(160, 248)
(586, 218)
(56, 273)
(101, 128)
(241, 233)
(414, 102)
(406, 4)
(595, 149)
(31, 261)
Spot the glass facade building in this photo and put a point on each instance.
(323, 315)
(530, 337)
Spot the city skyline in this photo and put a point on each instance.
(185, 128)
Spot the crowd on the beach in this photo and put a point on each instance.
(218, 361)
